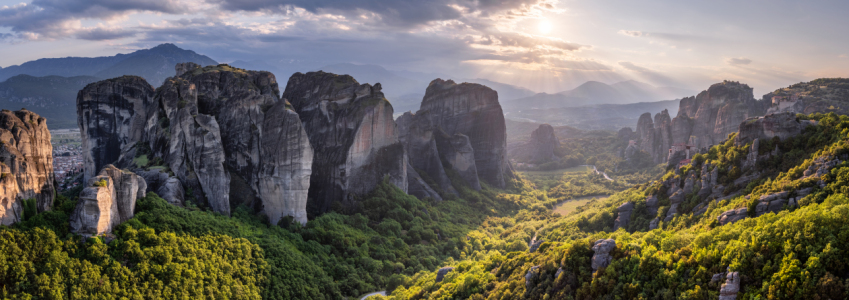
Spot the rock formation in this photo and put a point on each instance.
(26, 164)
(112, 116)
(532, 274)
(418, 135)
(354, 135)
(601, 257)
(472, 110)
(732, 216)
(217, 133)
(108, 200)
(540, 148)
(731, 287)
(624, 215)
(702, 120)
(442, 272)
(457, 152)
(781, 125)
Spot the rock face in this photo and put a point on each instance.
(781, 125)
(354, 135)
(732, 216)
(731, 287)
(624, 215)
(419, 137)
(442, 272)
(223, 133)
(26, 164)
(532, 274)
(703, 120)
(108, 200)
(602, 257)
(540, 148)
(472, 110)
(458, 153)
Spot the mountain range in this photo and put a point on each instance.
(594, 92)
(154, 64)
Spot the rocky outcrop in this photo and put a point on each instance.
(732, 216)
(731, 287)
(534, 244)
(652, 204)
(111, 115)
(26, 164)
(781, 125)
(353, 133)
(540, 148)
(417, 186)
(472, 110)
(601, 257)
(703, 120)
(440, 274)
(223, 132)
(654, 223)
(108, 200)
(531, 275)
(624, 215)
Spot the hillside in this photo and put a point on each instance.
(595, 93)
(154, 64)
(50, 96)
(767, 223)
(821, 95)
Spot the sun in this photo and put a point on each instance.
(544, 26)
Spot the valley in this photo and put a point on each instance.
(221, 182)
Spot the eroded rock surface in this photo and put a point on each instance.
(624, 216)
(352, 130)
(601, 257)
(442, 272)
(26, 164)
(418, 135)
(781, 125)
(108, 200)
(731, 287)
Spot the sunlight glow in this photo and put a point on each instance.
(545, 26)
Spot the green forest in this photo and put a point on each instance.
(395, 242)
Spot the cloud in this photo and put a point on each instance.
(633, 33)
(51, 19)
(100, 34)
(736, 61)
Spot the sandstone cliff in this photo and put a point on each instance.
(418, 135)
(108, 200)
(540, 148)
(351, 127)
(26, 164)
(472, 110)
(220, 134)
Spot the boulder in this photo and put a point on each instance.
(472, 110)
(732, 216)
(440, 274)
(26, 164)
(601, 257)
(108, 200)
(624, 215)
(166, 186)
(352, 131)
(731, 287)
(532, 274)
(534, 245)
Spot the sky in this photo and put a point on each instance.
(543, 45)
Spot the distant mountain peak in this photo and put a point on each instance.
(166, 46)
